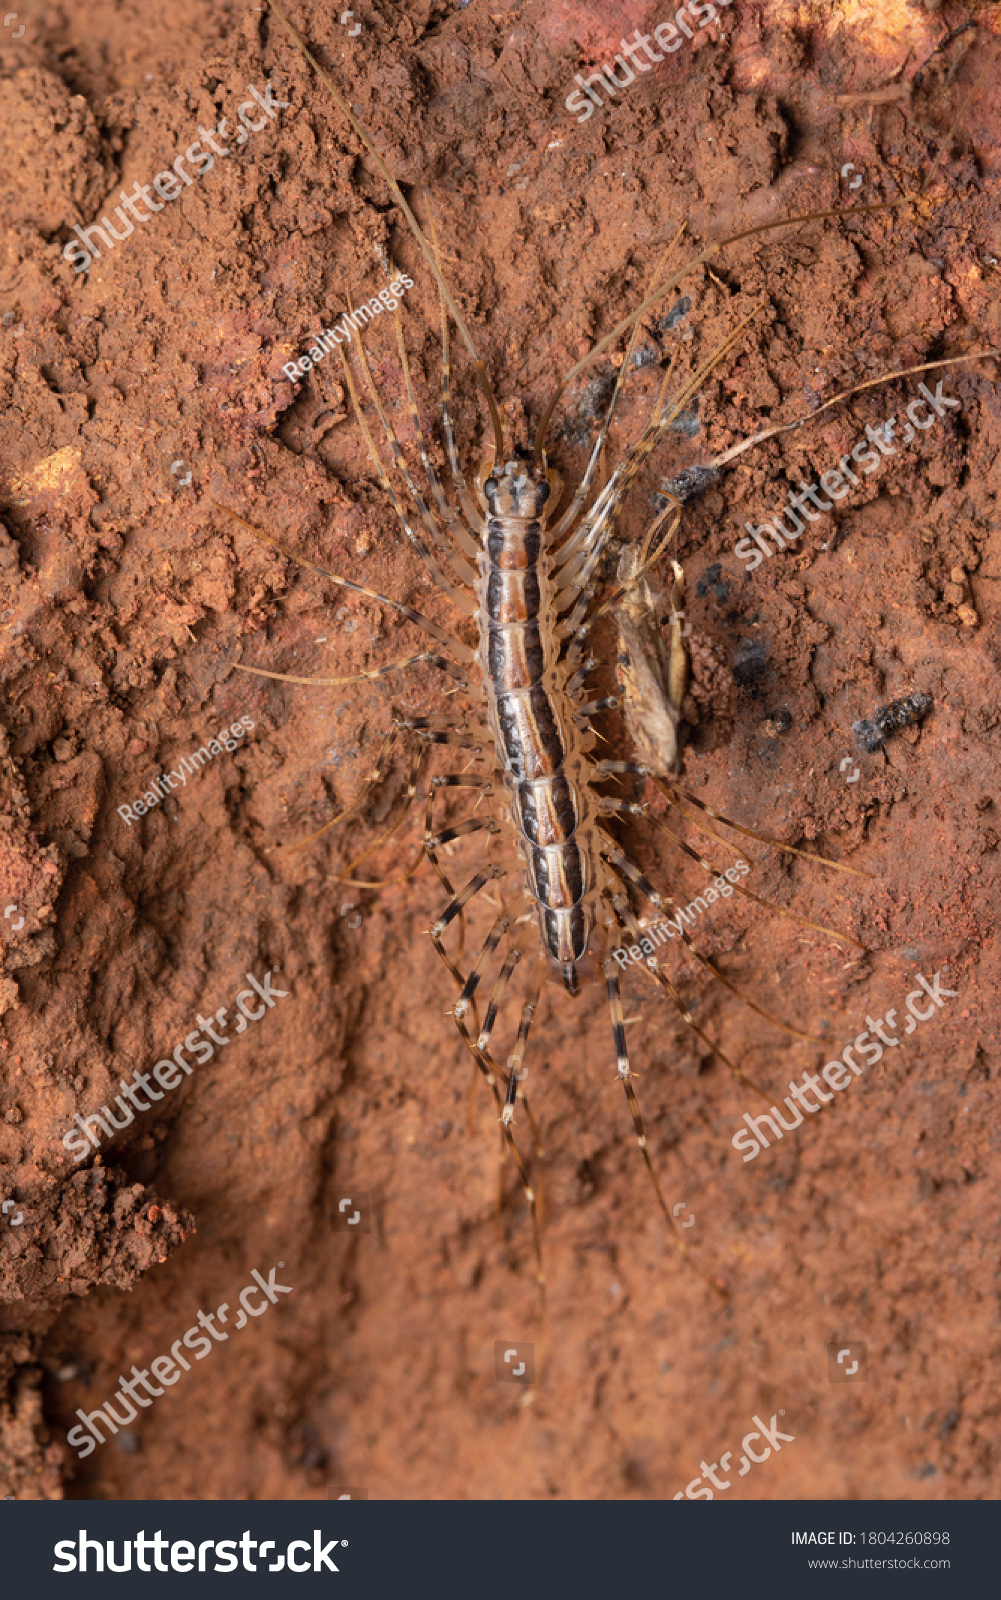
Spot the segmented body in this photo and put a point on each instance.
(541, 748)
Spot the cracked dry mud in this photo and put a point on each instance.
(127, 598)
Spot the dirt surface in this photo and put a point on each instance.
(141, 395)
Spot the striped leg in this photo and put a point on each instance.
(620, 904)
(466, 574)
(453, 522)
(461, 652)
(626, 1080)
(593, 534)
(465, 602)
(493, 1073)
(362, 677)
(457, 904)
(673, 789)
(448, 781)
(627, 870)
(818, 927)
(469, 510)
(569, 516)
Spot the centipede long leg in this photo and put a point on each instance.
(426, 656)
(580, 498)
(626, 868)
(469, 511)
(626, 1080)
(462, 652)
(466, 543)
(656, 971)
(748, 894)
(672, 789)
(464, 571)
(458, 597)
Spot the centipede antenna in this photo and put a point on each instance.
(947, 141)
(412, 222)
(818, 927)
(846, 394)
(697, 261)
(540, 434)
(463, 652)
(666, 785)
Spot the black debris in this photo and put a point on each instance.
(749, 663)
(712, 582)
(872, 735)
(680, 309)
(689, 483)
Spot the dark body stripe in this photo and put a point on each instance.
(546, 806)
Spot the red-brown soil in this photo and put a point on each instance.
(126, 598)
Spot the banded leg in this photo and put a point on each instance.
(465, 602)
(580, 498)
(448, 781)
(469, 510)
(671, 789)
(539, 974)
(626, 1080)
(457, 904)
(462, 652)
(493, 1073)
(621, 906)
(361, 677)
(627, 870)
(502, 926)
(464, 572)
(467, 544)
(594, 530)
(818, 927)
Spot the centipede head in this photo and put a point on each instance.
(522, 488)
